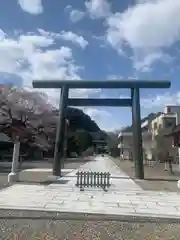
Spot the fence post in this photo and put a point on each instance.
(94, 175)
(108, 179)
(101, 174)
(81, 181)
(78, 175)
(98, 178)
(91, 177)
(85, 178)
(104, 182)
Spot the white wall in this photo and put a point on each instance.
(127, 143)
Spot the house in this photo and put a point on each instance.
(162, 126)
(163, 122)
(158, 133)
(126, 143)
(175, 136)
(126, 138)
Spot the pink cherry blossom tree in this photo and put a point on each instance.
(24, 116)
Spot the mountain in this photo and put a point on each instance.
(82, 124)
(79, 120)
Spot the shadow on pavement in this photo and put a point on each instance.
(80, 160)
(31, 182)
(160, 179)
(147, 179)
(7, 169)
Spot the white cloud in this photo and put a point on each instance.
(30, 56)
(84, 93)
(74, 38)
(34, 56)
(57, 63)
(36, 41)
(31, 6)
(28, 50)
(96, 114)
(104, 118)
(67, 36)
(98, 8)
(76, 15)
(114, 77)
(144, 62)
(148, 28)
(47, 34)
(159, 101)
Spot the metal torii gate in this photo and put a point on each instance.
(133, 102)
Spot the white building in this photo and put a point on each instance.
(164, 124)
(126, 139)
(153, 128)
(166, 121)
(126, 144)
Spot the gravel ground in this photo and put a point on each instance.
(34, 225)
(156, 179)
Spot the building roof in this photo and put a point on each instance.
(147, 119)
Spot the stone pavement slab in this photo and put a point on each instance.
(118, 203)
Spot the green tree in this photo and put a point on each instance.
(80, 141)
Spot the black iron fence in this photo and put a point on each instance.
(93, 179)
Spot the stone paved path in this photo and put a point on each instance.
(123, 198)
(129, 203)
(120, 180)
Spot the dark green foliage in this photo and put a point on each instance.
(83, 140)
(82, 131)
(79, 120)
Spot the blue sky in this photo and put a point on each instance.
(93, 39)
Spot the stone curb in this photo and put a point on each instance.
(39, 215)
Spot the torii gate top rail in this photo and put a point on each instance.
(100, 84)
